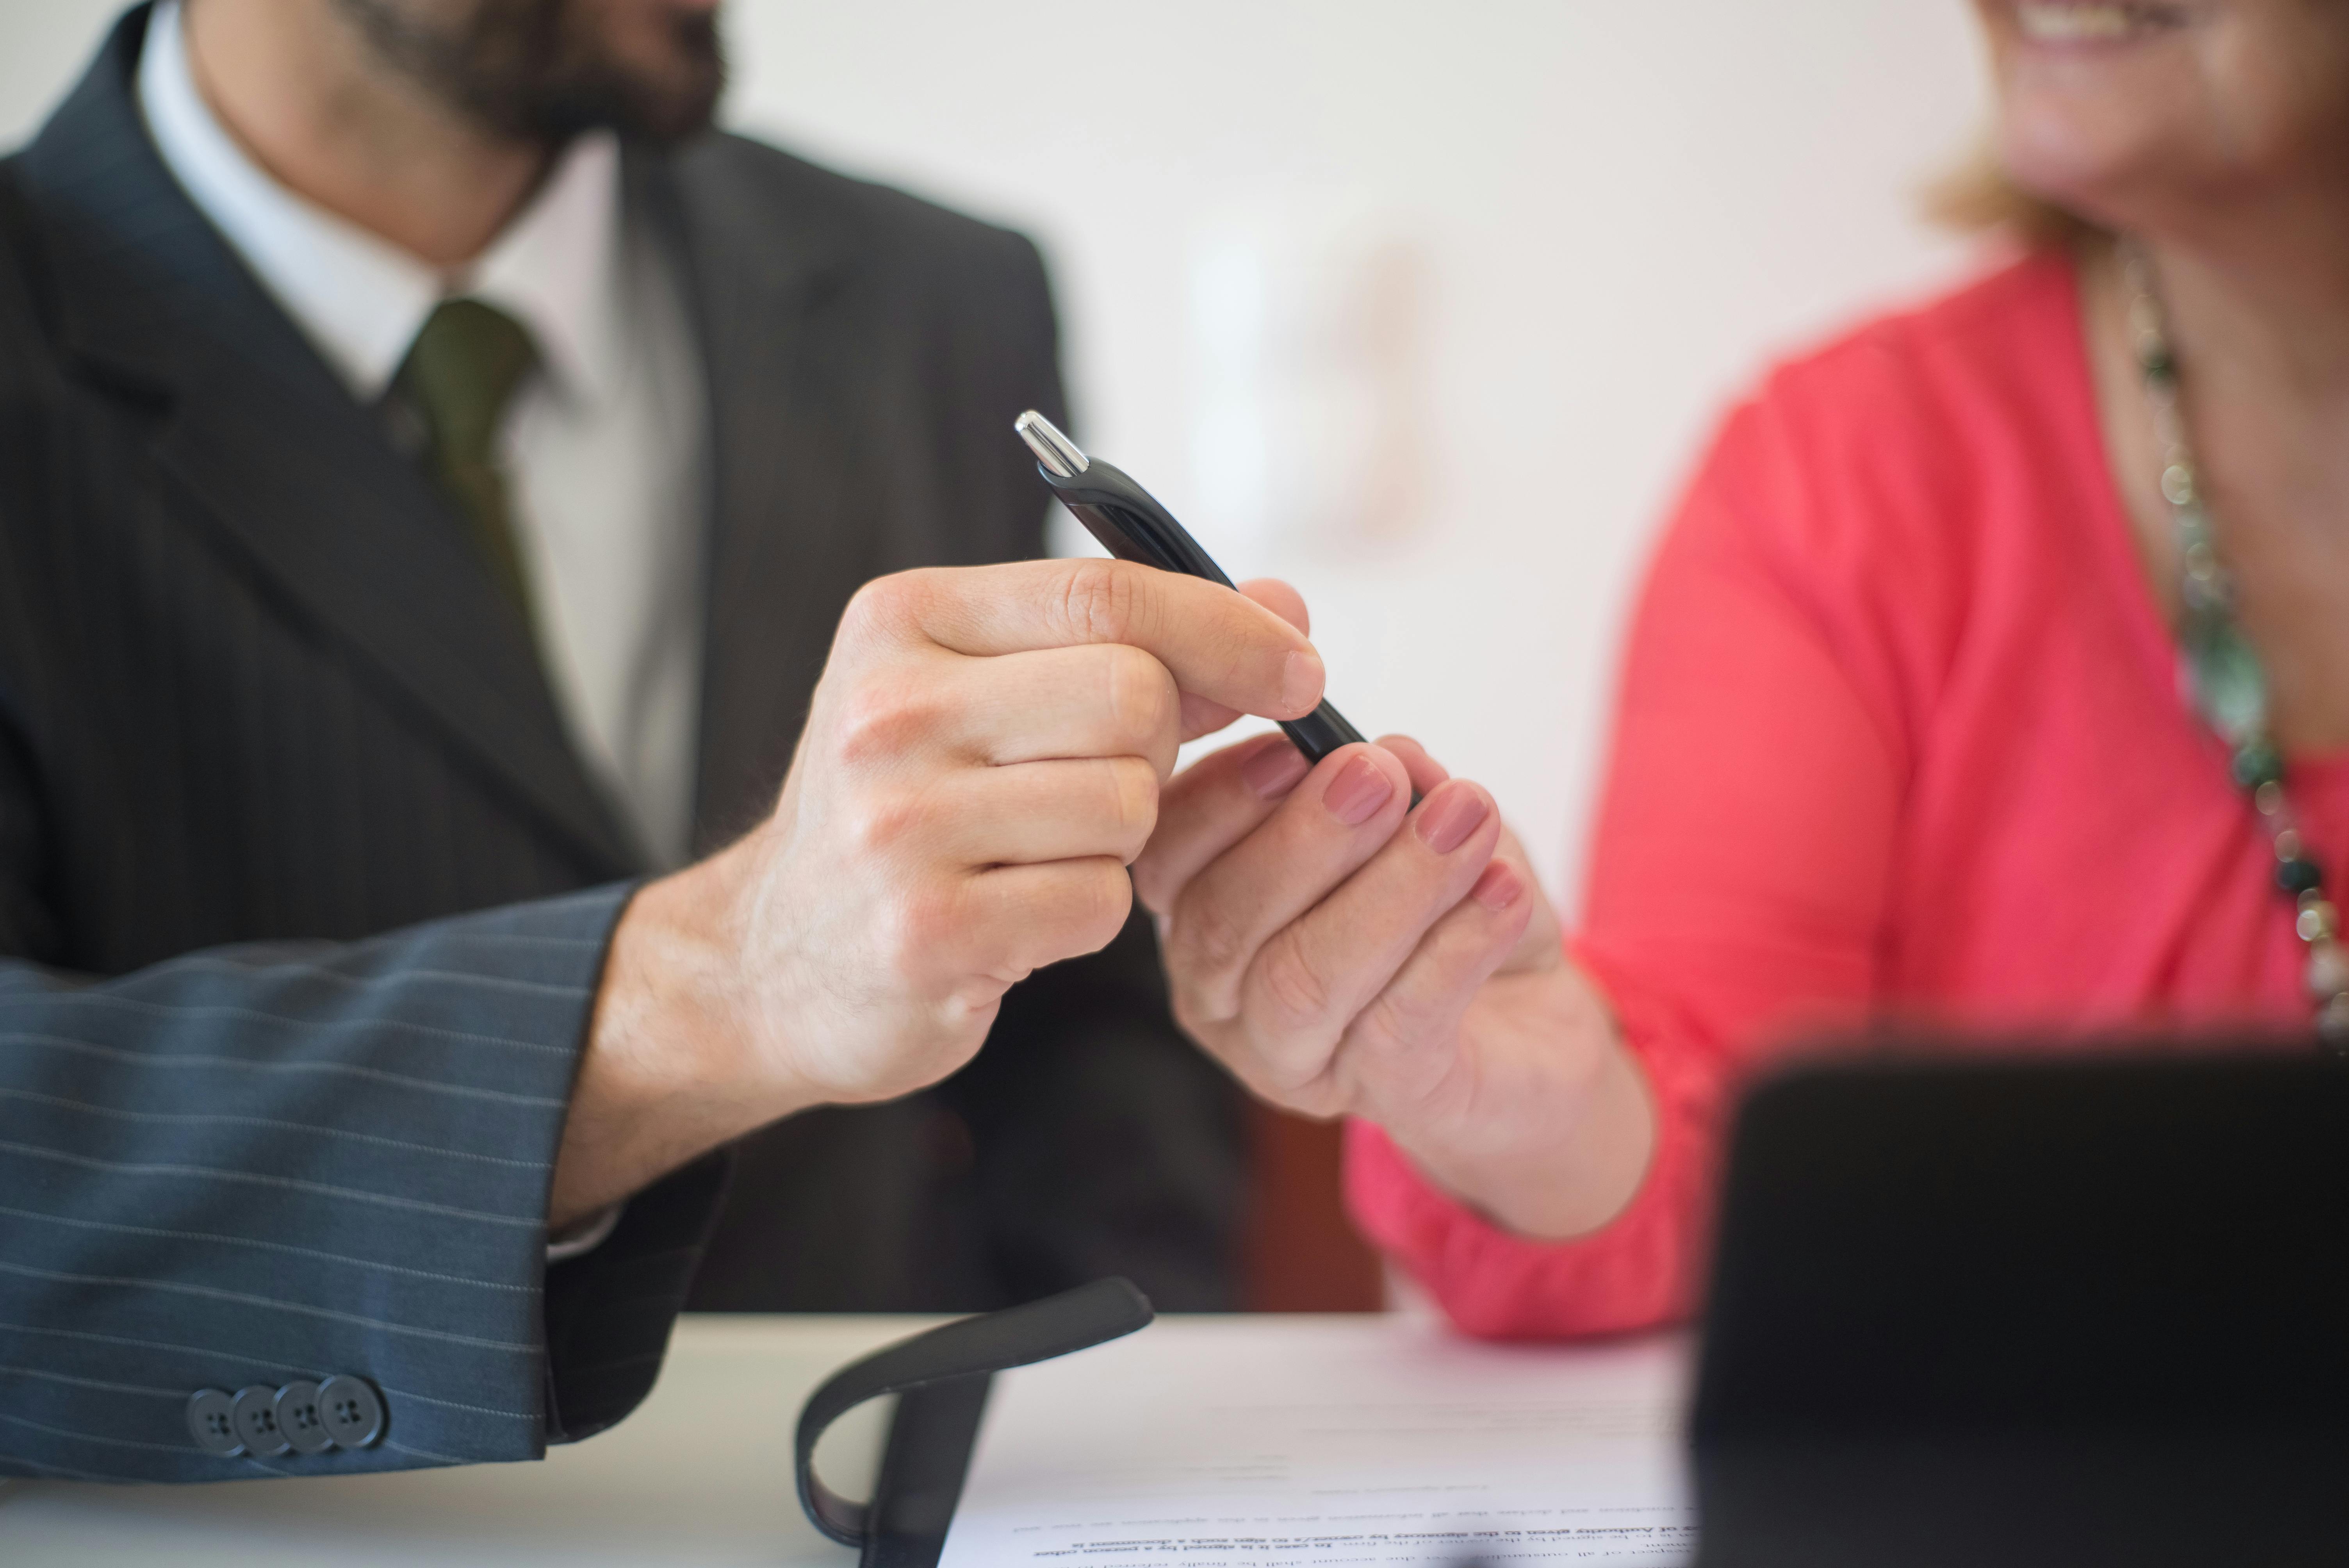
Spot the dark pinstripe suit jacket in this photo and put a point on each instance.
(259, 705)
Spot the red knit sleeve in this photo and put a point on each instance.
(1743, 846)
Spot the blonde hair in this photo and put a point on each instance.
(1977, 196)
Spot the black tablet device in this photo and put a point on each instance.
(2021, 1311)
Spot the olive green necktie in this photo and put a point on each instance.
(460, 375)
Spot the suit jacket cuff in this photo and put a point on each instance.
(609, 1311)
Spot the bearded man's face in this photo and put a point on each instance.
(545, 69)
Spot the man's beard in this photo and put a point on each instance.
(545, 71)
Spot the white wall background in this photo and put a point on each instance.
(1594, 220)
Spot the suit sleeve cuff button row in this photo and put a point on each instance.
(303, 1417)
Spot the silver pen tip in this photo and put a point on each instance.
(1059, 456)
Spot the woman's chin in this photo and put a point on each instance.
(2101, 177)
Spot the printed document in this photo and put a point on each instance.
(1315, 1442)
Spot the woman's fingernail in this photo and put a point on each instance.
(1302, 677)
(1498, 888)
(1358, 791)
(1275, 770)
(1445, 822)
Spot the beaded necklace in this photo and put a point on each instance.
(2219, 671)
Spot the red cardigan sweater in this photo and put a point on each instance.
(1899, 733)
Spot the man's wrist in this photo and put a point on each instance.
(670, 1069)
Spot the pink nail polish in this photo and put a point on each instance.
(1355, 796)
(1445, 822)
(1275, 768)
(1498, 887)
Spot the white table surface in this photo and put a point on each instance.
(700, 1474)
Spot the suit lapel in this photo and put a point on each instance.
(795, 464)
(291, 470)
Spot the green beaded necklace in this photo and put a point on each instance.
(2219, 669)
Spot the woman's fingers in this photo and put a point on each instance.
(1425, 771)
(1393, 1048)
(1209, 807)
(1322, 938)
(1311, 980)
(1224, 797)
(1542, 944)
(1312, 841)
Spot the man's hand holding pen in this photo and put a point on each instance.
(982, 761)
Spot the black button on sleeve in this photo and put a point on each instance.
(300, 1417)
(255, 1415)
(353, 1409)
(211, 1421)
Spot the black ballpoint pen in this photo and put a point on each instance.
(1132, 526)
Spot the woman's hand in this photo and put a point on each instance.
(1346, 953)
(1323, 944)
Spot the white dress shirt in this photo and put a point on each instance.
(602, 445)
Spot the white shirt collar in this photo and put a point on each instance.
(361, 299)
